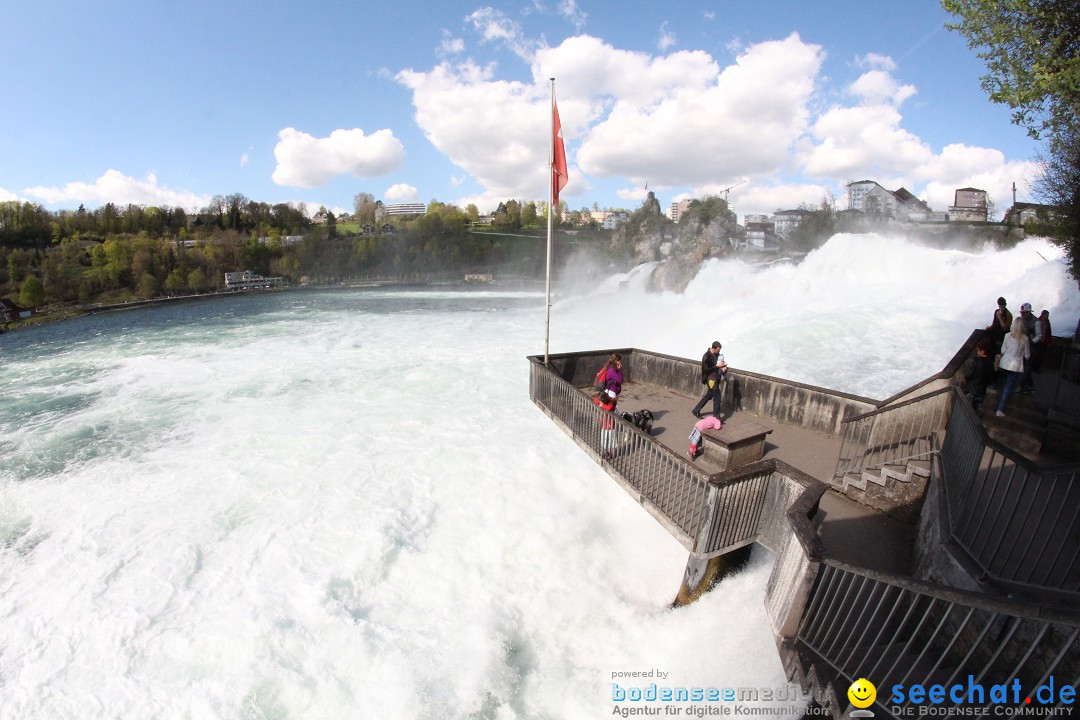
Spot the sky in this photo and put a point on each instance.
(776, 103)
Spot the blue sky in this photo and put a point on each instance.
(172, 102)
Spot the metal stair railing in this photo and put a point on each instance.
(1017, 522)
(894, 434)
(1066, 398)
(901, 632)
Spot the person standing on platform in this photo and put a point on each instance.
(1031, 329)
(1043, 338)
(711, 374)
(979, 374)
(1015, 352)
(607, 400)
(613, 378)
(1000, 325)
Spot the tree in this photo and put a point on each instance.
(177, 281)
(528, 214)
(364, 208)
(1031, 52)
(1059, 184)
(1030, 48)
(148, 286)
(197, 281)
(32, 292)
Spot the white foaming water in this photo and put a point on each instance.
(867, 314)
(342, 504)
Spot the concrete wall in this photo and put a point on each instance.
(785, 401)
(579, 369)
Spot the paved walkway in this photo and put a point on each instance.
(850, 531)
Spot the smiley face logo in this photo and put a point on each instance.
(862, 693)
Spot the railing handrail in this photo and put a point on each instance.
(891, 434)
(887, 408)
(629, 351)
(959, 596)
(1000, 449)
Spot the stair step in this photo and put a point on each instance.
(920, 467)
(1024, 441)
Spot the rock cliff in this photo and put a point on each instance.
(706, 230)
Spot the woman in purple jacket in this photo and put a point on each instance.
(614, 378)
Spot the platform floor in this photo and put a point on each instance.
(850, 531)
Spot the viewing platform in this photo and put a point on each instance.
(850, 530)
(915, 541)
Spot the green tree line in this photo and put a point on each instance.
(113, 255)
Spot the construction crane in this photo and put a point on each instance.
(725, 190)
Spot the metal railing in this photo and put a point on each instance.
(736, 509)
(892, 435)
(1019, 523)
(671, 488)
(709, 514)
(860, 624)
(1067, 392)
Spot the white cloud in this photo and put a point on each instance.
(115, 187)
(667, 38)
(7, 196)
(569, 9)
(307, 162)
(400, 191)
(862, 142)
(768, 198)
(592, 72)
(876, 62)
(961, 166)
(879, 86)
(684, 120)
(495, 27)
(497, 131)
(244, 160)
(451, 45)
(704, 125)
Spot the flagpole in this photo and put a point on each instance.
(551, 215)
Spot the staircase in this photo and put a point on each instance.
(1024, 426)
(898, 472)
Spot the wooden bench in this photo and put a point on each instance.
(739, 442)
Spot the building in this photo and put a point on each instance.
(404, 209)
(10, 312)
(760, 233)
(677, 209)
(970, 204)
(868, 197)
(249, 280)
(284, 240)
(614, 219)
(786, 222)
(1022, 213)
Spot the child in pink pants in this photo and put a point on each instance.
(706, 423)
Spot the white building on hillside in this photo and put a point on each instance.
(400, 209)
